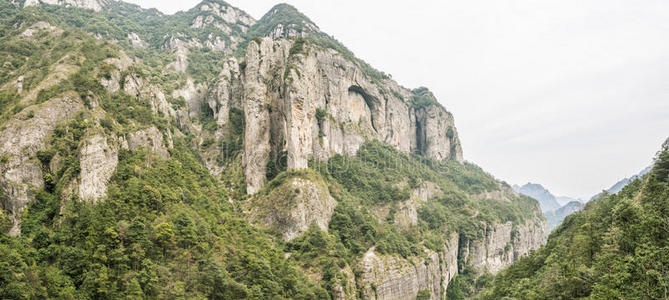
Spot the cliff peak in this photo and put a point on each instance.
(284, 21)
(96, 5)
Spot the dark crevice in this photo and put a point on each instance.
(370, 100)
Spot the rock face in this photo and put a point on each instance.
(149, 138)
(502, 244)
(407, 213)
(293, 206)
(96, 5)
(98, 162)
(135, 41)
(392, 277)
(436, 136)
(309, 102)
(20, 140)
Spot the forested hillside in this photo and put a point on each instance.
(616, 248)
(209, 155)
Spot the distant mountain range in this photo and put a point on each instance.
(547, 201)
(555, 208)
(555, 217)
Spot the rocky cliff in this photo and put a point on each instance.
(304, 102)
(394, 277)
(343, 172)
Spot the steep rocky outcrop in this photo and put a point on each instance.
(502, 244)
(393, 277)
(98, 160)
(497, 246)
(295, 95)
(151, 139)
(407, 211)
(291, 207)
(314, 103)
(20, 140)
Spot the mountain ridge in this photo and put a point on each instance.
(546, 199)
(147, 157)
(614, 248)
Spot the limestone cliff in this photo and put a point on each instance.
(310, 102)
(393, 277)
(502, 244)
(20, 140)
(291, 206)
(257, 103)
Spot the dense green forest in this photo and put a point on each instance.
(616, 248)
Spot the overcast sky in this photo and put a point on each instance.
(571, 94)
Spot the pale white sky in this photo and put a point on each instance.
(571, 94)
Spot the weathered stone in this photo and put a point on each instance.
(98, 162)
(20, 140)
(386, 277)
(293, 206)
(284, 91)
(502, 244)
(136, 42)
(149, 138)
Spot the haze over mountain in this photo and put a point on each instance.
(551, 206)
(547, 200)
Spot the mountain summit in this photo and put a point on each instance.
(284, 21)
(96, 5)
(547, 200)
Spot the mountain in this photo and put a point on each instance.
(206, 154)
(564, 200)
(547, 200)
(96, 5)
(616, 248)
(555, 217)
(618, 186)
(553, 208)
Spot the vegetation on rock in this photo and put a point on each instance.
(616, 248)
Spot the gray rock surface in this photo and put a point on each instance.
(150, 138)
(502, 244)
(292, 207)
(284, 91)
(98, 160)
(20, 140)
(386, 277)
